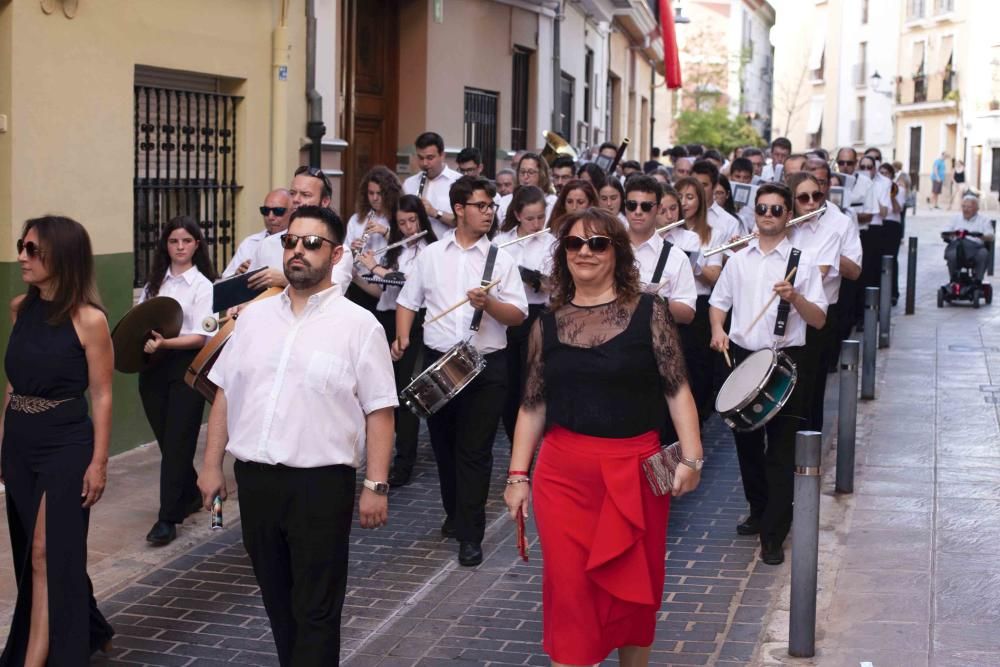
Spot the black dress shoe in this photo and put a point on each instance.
(399, 478)
(750, 526)
(448, 529)
(470, 553)
(162, 533)
(771, 552)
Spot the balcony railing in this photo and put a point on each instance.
(940, 87)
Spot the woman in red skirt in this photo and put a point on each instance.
(605, 377)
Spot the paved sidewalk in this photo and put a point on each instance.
(910, 563)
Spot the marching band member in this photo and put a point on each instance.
(525, 216)
(562, 170)
(701, 363)
(605, 377)
(182, 271)
(746, 284)
(708, 175)
(276, 210)
(314, 403)
(310, 187)
(612, 197)
(531, 170)
(410, 218)
(437, 178)
(368, 228)
(575, 195)
(462, 431)
(591, 173)
(505, 182)
(663, 269)
(682, 237)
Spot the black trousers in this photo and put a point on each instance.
(823, 346)
(462, 434)
(407, 423)
(892, 236)
(174, 412)
(700, 359)
(517, 364)
(296, 528)
(767, 455)
(873, 245)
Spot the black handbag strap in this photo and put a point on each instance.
(661, 262)
(491, 259)
(784, 307)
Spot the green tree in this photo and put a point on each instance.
(716, 129)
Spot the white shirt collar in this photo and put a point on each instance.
(318, 300)
(655, 241)
(188, 276)
(782, 248)
(483, 244)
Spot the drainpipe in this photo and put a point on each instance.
(315, 129)
(280, 48)
(557, 71)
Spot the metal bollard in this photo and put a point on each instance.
(885, 302)
(847, 415)
(870, 343)
(911, 275)
(805, 545)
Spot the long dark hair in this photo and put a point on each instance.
(406, 204)
(598, 177)
(559, 209)
(69, 258)
(524, 195)
(728, 206)
(387, 182)
(161, 260)
(596, 222)
(699, 222)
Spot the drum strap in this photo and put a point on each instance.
(491, 259)
(661, 263)
(784, 307)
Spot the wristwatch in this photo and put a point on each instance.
(694, 464)
(379, 488)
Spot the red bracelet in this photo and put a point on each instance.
(511, 473)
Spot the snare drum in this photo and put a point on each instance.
(756, 390)
(443, 379)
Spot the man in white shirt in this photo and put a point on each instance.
(436, 177)
(562, 172)
(276, 211)
(748, 281)
(875, 205)
(310, 187)
(505, 182)
(663, 269)
(301, 410)
(974, 248)
(781, 149)
(462, 432)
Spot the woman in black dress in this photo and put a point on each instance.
(54, 458)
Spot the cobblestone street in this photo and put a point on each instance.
(409, 603)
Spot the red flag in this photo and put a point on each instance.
(671, 61)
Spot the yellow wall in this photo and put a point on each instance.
(70, 108)
(7, 233)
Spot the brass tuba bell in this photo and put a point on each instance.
(555, 147)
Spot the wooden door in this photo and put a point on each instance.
(371, 91)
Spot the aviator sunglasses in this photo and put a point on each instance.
(595, 243)
(777, 210)
(804, 197)
(632, 204)
(309, 242)
(30, 248)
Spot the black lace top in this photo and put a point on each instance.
(606, 370)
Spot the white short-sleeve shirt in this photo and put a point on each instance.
(244, 251)
(193, 291)
(677, 281)
(531, 254)
(437, 192)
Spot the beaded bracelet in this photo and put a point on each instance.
(511, 482)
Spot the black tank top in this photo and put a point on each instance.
(42, 359)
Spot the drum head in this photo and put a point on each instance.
(745, 380)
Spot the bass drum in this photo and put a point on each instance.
(196, 376)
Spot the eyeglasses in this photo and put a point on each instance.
(804, 197)
(646, 206)
(315, 173)
(528, 172)
(595, 243)
(29, 248)
(483, 206)
(309, 242)
(468, 171)
(846, 163)
(777, 210)
(277, 210)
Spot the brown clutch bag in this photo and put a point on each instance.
(660, 467)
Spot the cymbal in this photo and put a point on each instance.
(131, 333)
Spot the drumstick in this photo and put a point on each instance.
(771, 300)
(460, 303)
(725, 353)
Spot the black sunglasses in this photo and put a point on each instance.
(595, 243)
(804, 197)
(646, 206)
(777, 210)
(309, 242)
(277, 210)
(846, 163)
(30, 248)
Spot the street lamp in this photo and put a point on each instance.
(876, 82)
